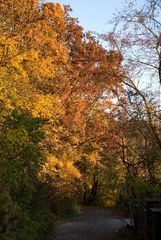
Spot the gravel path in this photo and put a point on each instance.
(93, 224)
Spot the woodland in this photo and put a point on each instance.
(79, 122)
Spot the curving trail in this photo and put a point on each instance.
(93, 224)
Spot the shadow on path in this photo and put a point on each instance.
(93, 224)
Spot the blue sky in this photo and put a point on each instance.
(93, 14)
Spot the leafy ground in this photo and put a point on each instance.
(93, 223)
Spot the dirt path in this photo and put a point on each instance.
(92, 224)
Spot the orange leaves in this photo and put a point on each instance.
(54, 17)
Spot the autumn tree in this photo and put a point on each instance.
(136, 36)
(90, 77)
